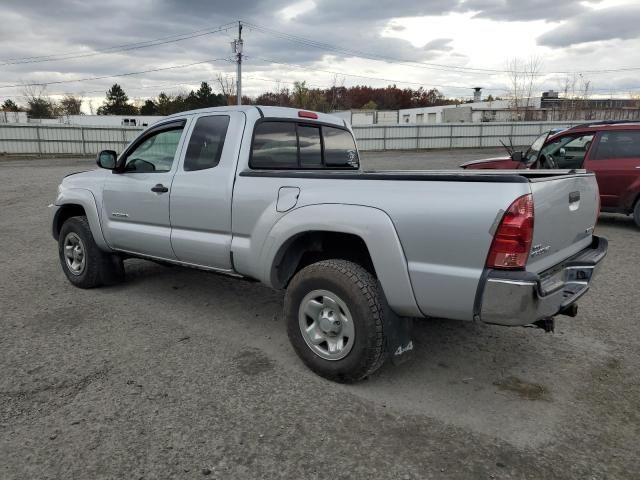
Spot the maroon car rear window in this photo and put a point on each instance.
(624, 144)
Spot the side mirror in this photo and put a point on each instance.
(517, 156)
(562, 152)
(107, 159)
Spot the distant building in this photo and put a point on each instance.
(368, 117)
(110, 120)
(549, 107)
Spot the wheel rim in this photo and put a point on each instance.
(326, 325)
(74, 253)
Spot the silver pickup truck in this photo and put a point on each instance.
(278, 195)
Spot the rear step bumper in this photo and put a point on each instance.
(521, 298)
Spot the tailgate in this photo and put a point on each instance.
(565, 208)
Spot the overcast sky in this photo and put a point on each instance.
(452, 45)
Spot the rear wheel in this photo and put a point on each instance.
(84, 264)
(636, 213)
(334, 320)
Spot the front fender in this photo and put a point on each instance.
(371, 224)
(85, 199)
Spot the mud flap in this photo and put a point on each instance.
(397, 331)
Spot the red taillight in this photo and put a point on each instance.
(305, 114)
(512, 241)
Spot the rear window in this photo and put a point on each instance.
(339, 148)
(310, 146)
(624, 144)
(296, 145)
(206, 142)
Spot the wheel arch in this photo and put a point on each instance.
(78, 202)
(352, 232)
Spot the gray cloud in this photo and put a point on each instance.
(33, 27)
(439, 44)
(592, 26)
(512, 10)
(70, 26)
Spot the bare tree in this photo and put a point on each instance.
(523, 81)
(575, 91)
(228, 87)
(39, 105)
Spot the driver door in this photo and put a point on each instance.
(135, 199)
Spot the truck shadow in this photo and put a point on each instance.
(618, 221)
(490, 363)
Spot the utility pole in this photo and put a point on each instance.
(237, 48)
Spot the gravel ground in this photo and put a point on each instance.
(183, 374)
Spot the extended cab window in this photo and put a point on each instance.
(275, 145)
(206, 142)
(156, 152)
(625, 144)
(293, 145)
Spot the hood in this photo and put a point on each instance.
(82, 179)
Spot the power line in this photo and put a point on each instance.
(368, 77)
(43, 84)
(372, 56)
(427, 65)
(118, 48)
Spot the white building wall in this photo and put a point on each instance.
(387, 117)
(110, 120)
(363, 118)
(343, 114)
(13, 117)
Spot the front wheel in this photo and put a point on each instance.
(636, 213)
(84, 264)
(334, 320)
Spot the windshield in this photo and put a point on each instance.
(534, 149)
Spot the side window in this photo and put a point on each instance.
(339, 148)
(206, 142)
(569, 151)
(622, 144)
(156, 153)
(310, 146)
(292, 145)
(275, 145)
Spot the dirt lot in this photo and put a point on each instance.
(183, 374)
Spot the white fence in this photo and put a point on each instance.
(63, 139)
(451, 135)
(77, 140)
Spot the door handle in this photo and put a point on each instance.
(159, 188)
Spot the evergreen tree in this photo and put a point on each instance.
(149, 108)
(116, 103)
(10, 106)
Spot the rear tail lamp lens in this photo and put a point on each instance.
(512, 241)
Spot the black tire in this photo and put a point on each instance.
(100, 268)
(358, 289)
(636, 213)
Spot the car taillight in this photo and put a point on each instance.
(512, 241)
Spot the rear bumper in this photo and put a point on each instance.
(521, 298)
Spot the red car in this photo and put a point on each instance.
(609, 149)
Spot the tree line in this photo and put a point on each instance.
(117, 102)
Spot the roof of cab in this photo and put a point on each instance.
(267, 112)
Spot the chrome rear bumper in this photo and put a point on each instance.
(522, 298)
